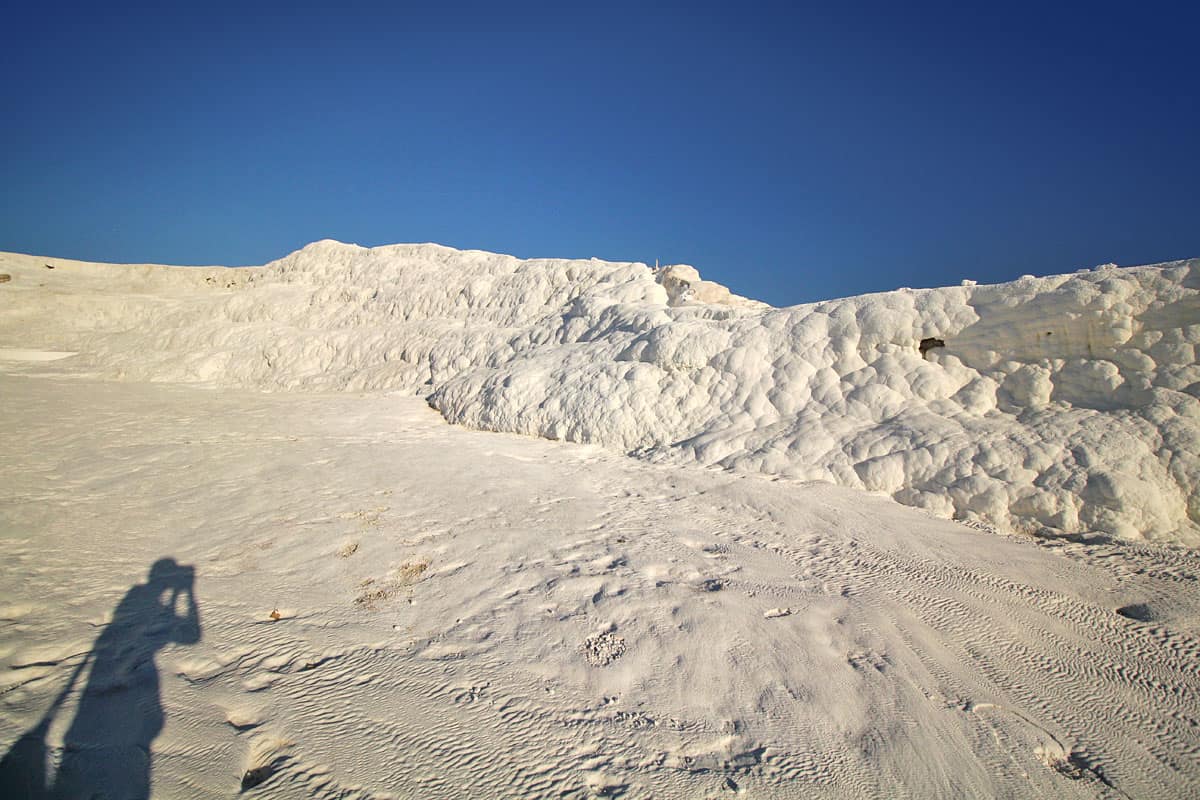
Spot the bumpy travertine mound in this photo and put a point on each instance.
(1063, 404)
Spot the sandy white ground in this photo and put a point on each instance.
(471, 614)
(912, 656)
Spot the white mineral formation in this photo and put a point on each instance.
(1058, 405)
(323, 590)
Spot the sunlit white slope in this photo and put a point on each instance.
(1063, 404)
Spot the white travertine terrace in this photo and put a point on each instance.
(1057, 405)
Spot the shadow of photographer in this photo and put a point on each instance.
(106, 750)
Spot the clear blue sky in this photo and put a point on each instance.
(794, 152)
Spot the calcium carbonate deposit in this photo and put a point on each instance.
(276, 571)
(1061, 405)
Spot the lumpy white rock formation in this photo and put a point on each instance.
(1058, 405)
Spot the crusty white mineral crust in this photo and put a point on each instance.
(1063, 404)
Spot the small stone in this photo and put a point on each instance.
(255, 777)
(603, 648)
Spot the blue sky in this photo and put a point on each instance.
(794, 152)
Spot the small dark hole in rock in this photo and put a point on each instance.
(1138, 611)
(930, 343)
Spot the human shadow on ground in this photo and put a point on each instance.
(106, 750)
